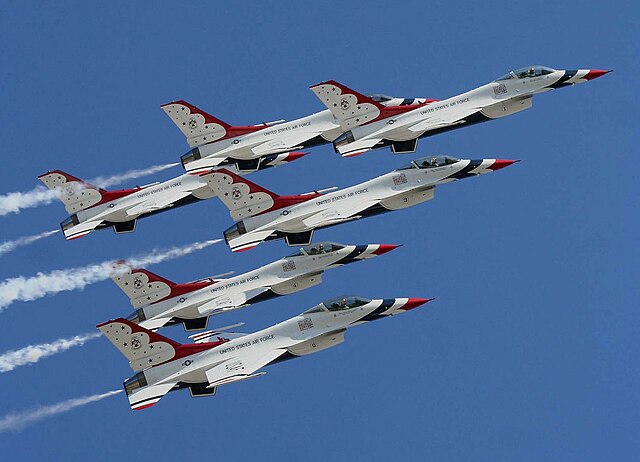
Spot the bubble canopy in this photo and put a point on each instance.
(431, 162)
(317, 249)
(527, 72)
(344, 302)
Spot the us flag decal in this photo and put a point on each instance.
(305, 324)
(288, 266)
(399, 179)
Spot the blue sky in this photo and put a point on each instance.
(528, 353)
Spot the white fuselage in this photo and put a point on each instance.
(300, 335)
(392, 191)
(493, 100)
(149, 199)
(273, 139)
(281, 277)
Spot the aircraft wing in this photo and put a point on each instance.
(357, 147)
(158, 202)
(81, 229)
(249, 240)
(229, 302)
(148, 396)
(241, 367)
(284, 143)
(432, 124)
(338, 213)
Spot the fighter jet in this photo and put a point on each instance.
(93, 208)
(163, 365)
(215, 143)
(370, 125)
(264, 215)
(160, 302)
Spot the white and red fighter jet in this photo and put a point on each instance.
(216, 143)
(264, 215)
(160, 302)
(368, 124)
(92, 207)
(163, 365)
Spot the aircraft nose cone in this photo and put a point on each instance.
(414, 303)
(295, 155)
(594, 74)
(501, 163)
(384, 248)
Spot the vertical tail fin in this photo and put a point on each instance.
(143, 348)
(198, 126)
(141, 286)
(242, 197)
(351, 108)
(75, 194)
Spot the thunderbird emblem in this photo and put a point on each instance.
(193, 124)
(344, 104)
(135, 343)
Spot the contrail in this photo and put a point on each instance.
(9, 246)
(34, 353)
(16, 421)
(105, 182)
(31, 288)
(16, 201)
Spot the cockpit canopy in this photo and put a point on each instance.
(527, 72)
(317, 249)
(380, 98)
(431, 162)
(344, 302)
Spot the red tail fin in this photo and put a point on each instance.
(351, 108)
(142, 286)
(200, 127)
(244, 198)
(75, 193)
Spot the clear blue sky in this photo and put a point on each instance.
(529, 353)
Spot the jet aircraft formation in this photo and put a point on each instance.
(220, 157)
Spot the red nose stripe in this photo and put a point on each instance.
(414, 303)
(384, 248)
(594, 74)
(502, 163)
(295, 155)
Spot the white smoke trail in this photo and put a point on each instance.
(34, 353)
(31, 288)
(16, 421)
(8, 246)
(16, 201)
(105, 182)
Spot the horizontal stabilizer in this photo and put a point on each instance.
(148, 396)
